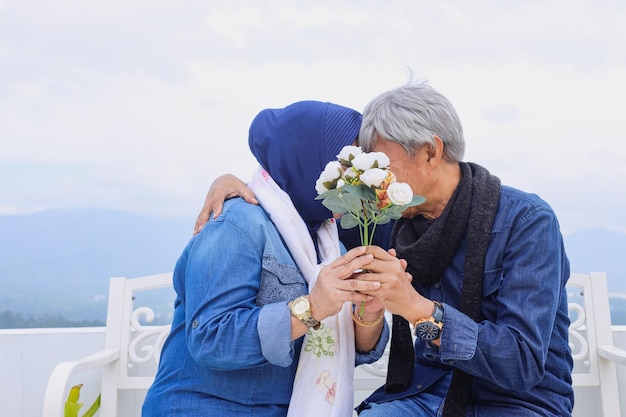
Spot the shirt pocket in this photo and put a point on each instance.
(492, 280)
(279, 282)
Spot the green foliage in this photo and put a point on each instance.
(360, 206)
(13, 320)
(72, 406)
(360, 187)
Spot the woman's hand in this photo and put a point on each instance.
(372, 308)
(224, 187)
(396, 292)
(336, 284)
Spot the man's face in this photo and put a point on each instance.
(411, 170)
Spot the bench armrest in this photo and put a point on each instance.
(612, 353)
(54, 400)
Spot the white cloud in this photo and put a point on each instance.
(14, 209)
(140, 105)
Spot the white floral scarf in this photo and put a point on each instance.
(324, 380)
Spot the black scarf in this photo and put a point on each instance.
(429, 246)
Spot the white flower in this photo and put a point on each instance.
(332, 172)
(349, 152)
(374, 177)
(382, 158)
(364, 161)
(370, 160)
(400, 193)
(350, 174)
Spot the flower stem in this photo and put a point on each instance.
(365, 241)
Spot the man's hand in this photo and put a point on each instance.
(336, 284)
(396, 292)
(224, 187)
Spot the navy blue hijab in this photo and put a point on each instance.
(295, 143)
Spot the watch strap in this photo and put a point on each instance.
(437, 312)
(305, 317)
(309, 321)
(429, 329)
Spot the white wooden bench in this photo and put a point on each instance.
(130, 355)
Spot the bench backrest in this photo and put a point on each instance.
(132, 332)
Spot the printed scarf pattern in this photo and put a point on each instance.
(324, 379)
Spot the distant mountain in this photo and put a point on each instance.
(60, 262)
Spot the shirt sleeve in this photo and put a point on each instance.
(224, 325)
(276, 344)
(378, 351)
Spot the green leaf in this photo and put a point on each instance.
(384, 219)
(351, 202)
(417, 200)
(74, 394)
(395, 210)
(72, 406)
(330, 193)
(371, 206)
(362, 192)
(348, 221)
(94, 407)
(335, 204)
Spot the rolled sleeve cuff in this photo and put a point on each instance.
(459, 336)
(274, 328)
(376, 353)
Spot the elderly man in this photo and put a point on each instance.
(487, 303)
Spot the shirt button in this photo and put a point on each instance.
(419, 386)
(194, 324)
(437, 285)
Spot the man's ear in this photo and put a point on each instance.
(436, 150)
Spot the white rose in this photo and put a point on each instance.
(373, 177)
(370, 160)
(350, 174)
(382, 158)
(332, 171)
(349, 152)
(400, 193)
(364, 161)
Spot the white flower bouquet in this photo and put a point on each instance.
(360, 187)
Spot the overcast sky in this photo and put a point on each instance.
(139, 105)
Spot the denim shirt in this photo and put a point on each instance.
(518, 351)
(230, 350)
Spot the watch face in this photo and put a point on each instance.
(427, 331)
(300, 306)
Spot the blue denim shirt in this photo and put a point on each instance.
(518, 351)
(230, 350)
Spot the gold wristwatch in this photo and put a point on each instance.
(301, 309)
(430, 329)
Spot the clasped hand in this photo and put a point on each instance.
(338, 283)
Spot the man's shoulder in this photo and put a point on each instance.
(517, 205)
(511, 196)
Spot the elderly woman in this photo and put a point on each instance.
(257, 279)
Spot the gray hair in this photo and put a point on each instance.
(410, 116)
